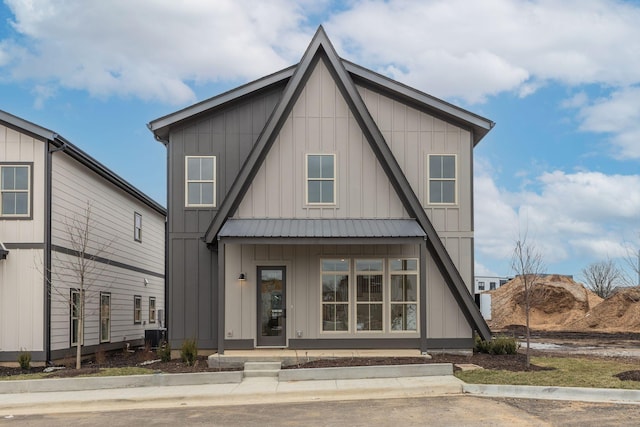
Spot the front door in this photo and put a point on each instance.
(272, 309)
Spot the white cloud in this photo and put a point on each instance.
(617, 115)
(155, 49)
(581, 216)
(457, 48)
(151, 49)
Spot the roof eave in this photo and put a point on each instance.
(478, 124)
(162, 126)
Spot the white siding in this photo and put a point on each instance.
(321, 123)
(21, 274)
(21, 301)
(18, 147)
(113, 219)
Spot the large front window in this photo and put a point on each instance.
(369, 295)
(321, 179)
(15, 184)
(200, 181)
(404, 294)
(442, 179)
(335, 295)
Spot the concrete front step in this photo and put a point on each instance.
(262, 369)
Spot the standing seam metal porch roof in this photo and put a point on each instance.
(313, 228)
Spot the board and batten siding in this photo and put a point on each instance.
(321, 123)
(128, 262)
(21, 274)
(303, 286)
(229, 134)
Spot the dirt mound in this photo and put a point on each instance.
(620, 312)
(556, 301)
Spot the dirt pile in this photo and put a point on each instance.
(556, 302)
(620, 312)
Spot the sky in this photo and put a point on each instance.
(561, 79)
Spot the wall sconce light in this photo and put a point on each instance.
(242, 277)
(146, 281)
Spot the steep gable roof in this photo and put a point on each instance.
(321, 48)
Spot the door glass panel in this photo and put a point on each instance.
(272, 306)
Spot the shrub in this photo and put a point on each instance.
(164, 352)
(24, 360)
(189, 352)
(499, 345)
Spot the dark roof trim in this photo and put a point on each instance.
(449, 112)
(320, 47)
(76, 153)
(160, 127)
(323, 240)
(334, 228)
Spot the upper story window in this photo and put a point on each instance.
(137, 227)
(321, 179)
(442, 179)
(200, 181)
(15, 187)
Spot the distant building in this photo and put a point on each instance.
(488, 283)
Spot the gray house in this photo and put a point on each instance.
(323, 206)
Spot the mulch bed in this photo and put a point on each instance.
(121, 359)
(628, 376)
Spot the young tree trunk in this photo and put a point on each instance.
(527, 305)
(79, 344)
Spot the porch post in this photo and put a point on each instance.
(423, 295)
(221, 296)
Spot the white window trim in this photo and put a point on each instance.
(307, 179)
(455, 180)
(187, 181)
(29, 190)
(389, 303)
(108, 339)
(383, 303)
(77, 318)
(349, 292)
(135, 310)
(152, 319)
(137, 231)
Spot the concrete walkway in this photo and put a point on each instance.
(249, 391)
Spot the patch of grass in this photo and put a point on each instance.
(118, 372)
(105, 372)
(567, 372)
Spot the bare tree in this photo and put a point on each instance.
(527, 263)
(79, 270)
(602, 277)
(632, 260)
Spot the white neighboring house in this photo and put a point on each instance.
(45, 181)
(488, 283)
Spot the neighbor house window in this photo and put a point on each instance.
(105, 317)
(403, 297)
(335, 295)
(152, 310)
(369, 297)
(481, 286)
(200, 182)
(15, 186)
(137, 309)
(321, 179)
(492, 286)
(137, 227)
(442, 179)
(75, 311)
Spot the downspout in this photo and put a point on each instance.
(48, 174)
